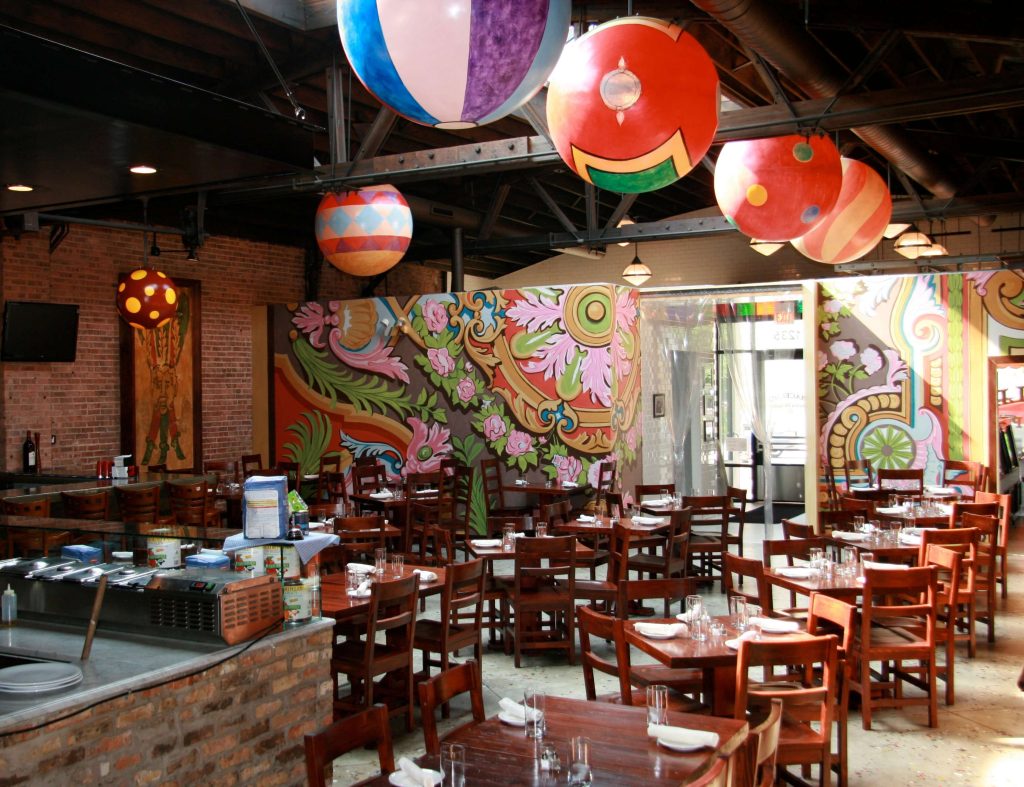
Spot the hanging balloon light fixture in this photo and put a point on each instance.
(366, 231)
(146, 298)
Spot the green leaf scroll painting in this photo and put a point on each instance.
(546, 379)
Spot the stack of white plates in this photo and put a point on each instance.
(39, 677)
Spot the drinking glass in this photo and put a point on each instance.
(849, 561)
(380, 560)
(699, 626)
(657, 704)
(533, 702)
(397, 565)
(579, 762)
(453, 764)
(754, 620)
(865, 557)
(542, 530)
(858, 523)
(508, 541)
(716, 630)
(816, 555)
(694, 606)
(738, 611)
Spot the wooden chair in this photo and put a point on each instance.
(828, 615)
(985, 569)
(461, 621)
(335, 488)
(139, 503)
(671, 551)
(743, 567)
(391, 619)
(359, 536)
(421, 511)
(454, 504)
(948, 564)
(863, 504)
(494, 493)
(828, 475)
(633, 592)
(366, 728)
(792, 530)
(191, 504)
(158, 468)
(606, 471)
(1005, 503)
(225, 470)
(20, 543)
(539, 609)
(496, 585)
(329, 463)
(858, 471)
(640, 491)
(632, 680)
(292, 471)
(559, 513)
(605, 592)
(441, 689)
(737, 499)
(709, 534)
(716, 774)
(961, 605)
(805, 737)
(960, 473)
(86, 505)
(250, 464)
(763, 741)
(909, 481)
(897, 627)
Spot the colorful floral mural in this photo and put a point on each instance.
(547, 379)
(900, 366)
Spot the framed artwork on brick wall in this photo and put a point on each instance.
(161, 387)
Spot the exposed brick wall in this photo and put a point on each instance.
(80, 402)
(241, 722)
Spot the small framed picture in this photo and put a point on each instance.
(659, 405)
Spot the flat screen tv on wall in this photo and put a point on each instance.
(37, 332)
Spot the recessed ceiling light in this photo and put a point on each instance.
(19, 187)
(143, 169)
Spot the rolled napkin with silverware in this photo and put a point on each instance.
(775, 625)
(360, 567)
(425, 576)
(586, 518)
(885, 566)
(514, 709)
(660, 629)
(485, 543)
(383, 494)
(415, 774)
(682, 736)
(648, 520)
(362, 590)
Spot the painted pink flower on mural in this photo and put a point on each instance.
(844, 349)
(441, 360)
(567, 468)
(625, 318)
(871, 359)
(518, 443)
(435, 315)
(542, 309)
(832, 306)
(595, 467)
(632, 439)
(465, 389)
(427, 447)
(494, 427)
(375, 356)
(822, 360)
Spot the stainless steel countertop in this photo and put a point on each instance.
(119, 663)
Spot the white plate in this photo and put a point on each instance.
(45, 676)
(772, 626)
(512, 721)
(364, 594)
(796, 572)
(399, 779)
(681, 746)
(848, 535)
(652, 635)
(317, 525)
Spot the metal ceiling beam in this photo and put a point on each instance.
(928, 262)
(555, 209)
(625, 203)
(379, 131)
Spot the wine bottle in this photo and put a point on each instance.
(28, 454)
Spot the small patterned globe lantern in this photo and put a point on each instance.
(857, 221)
(633, 104)
(366, 231)
(453, 63)
(146, 298)
(779, 188)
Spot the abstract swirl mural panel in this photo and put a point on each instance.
(901, 371)
(546, 379)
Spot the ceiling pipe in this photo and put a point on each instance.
(791, 51)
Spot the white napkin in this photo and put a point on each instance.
(360, 567)
(569, 485)
(941, 490)
(425, 492)
(515, 709)
(414, 772)
(426, 576)
(660, 629)
(734, 644)
(886, 566)
(649, 520)
(520, 482)
(796, 572)
(847, 535)
(486, 542)
(890, 510)
(520, 534)
(585, 518)
(910, 539)
(681, 736)
(316, 525)
(776, 626)
(382, 495)
(362, 590)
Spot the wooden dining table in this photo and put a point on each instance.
(602, 526)
(338, 604)
(547, 494)
(621, 753)
(846, 588)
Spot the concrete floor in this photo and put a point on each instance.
(979, 741)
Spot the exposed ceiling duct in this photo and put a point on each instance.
(762, 27)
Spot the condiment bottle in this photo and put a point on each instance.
(10, 607)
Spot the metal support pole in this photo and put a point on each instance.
(457, 284)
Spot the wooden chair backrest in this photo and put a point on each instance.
(367, 478)
(392, 611)
(792, 530)
(225, 470)
(188, 502)
(857, 469)
(962, 472)
(496, 524)
(462, 601)
(641, 491)
(708, 513)
(352, 732)
(594, 625)
(969, 536)
(335, 487)
(748, 568)
(557, 513)
(38, 507)
(897, 595)
(440, 689)
(673, 589)
(250, 463)
(830, 615)
(292, 471)
(1005, 502)
(905, 480)
(138, 503)
(838, 518)
(359, 535)
(543, 561)
(764, 739)
(795, 548)
(490, 471)
(86, 505)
